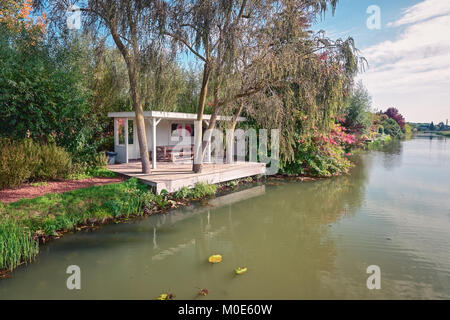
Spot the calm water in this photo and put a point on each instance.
(299, 240)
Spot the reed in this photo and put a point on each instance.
(16, 244)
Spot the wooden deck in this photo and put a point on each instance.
(174, 176)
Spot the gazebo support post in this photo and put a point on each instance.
(126, 140)
(155, 123)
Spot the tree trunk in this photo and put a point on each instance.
(212, 120)
(198, 144)
(211, 126)
(140, 122)
(130, 60)
(230, 136)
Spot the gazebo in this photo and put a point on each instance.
(167, 133)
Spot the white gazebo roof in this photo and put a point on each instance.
(170, 116)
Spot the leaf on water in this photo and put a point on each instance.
(217, 258)
(240, 270)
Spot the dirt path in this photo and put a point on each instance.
(28, 192)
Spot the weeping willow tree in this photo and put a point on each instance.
(276, 70)
(310, 98)
(233, 37)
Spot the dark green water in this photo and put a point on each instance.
(299, 240)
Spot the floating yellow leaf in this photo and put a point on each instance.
(240, 270)
(166, 296)
(215, 258)
(163, 296)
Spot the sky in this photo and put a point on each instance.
(408, 56)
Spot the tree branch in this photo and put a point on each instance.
(184, 41)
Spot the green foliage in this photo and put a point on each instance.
(44, 96)
(102, 173)
(408, 131)
(183, 193)
(391, 127)
(39, 95)
(379, 142)
(54, 163)
(432, 127)
(201, 190)
(322, 154)
(357, 115)
(39, 184)
(22, 161)
(14, 164)
(114, 206)
(232, 183)
(64, 211)
(312, 160)
(16, 244)
(86, 173)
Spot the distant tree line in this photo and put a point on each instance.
(441, 126)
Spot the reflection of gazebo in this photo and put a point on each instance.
(175, 217)
(170, 135)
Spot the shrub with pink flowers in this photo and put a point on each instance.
(323, 154)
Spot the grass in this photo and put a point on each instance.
(201, 190)
(16, 244)
(39, 184)
(444, 133)
(25, 222)
(92, 173)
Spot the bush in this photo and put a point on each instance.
(379, 142)
(322, 155)
(14, 168)
(357, 115)
(22, 161)
(392, 128)
(201, 190)
(54, 163)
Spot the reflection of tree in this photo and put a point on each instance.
(392, 155)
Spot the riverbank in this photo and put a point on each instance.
(27, 223)
(444, 133)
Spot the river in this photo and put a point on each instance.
(299, 240)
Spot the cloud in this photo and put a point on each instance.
(422, 11)
(415, 67)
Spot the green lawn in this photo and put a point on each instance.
(92, 173)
